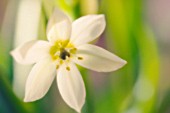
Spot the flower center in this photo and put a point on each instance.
(62, 50)
(64, 54)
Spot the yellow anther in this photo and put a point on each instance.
(73, 50)
(68, 68)
(80, 58)
(61, 61)
(57, 66)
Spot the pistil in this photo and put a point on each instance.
(64, 54)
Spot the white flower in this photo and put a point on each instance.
(67, 44)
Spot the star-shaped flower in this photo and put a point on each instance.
(67, 45)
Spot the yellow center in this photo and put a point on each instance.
(62, 50)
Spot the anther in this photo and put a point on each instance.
(73, 50)
(57, 66)
(61, 62)
(80, 58)
(68, 68)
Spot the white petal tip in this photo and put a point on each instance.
(29, 99)
(16, 56)
(79, 111)
(119, 65)
(122, 63)
(12, 53)
(101, 17)
(79, 108)
(26, 100)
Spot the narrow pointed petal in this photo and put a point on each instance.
(71, 86)
(97, 59)
(87, 28)
(39, 80)
(31, 52)
(59, 27)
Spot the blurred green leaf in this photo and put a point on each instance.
(13, 104)
(128, 35)
(164, 105)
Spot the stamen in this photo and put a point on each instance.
(61, 62)
(73, 50)
(68, 68)
(54, 57)
(60, 45)
(80, 58)
(57, 66)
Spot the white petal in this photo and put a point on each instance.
(71, 86)
(97, 59)
(31, 52)
(59, 27)
(39, 80)
(87, 28)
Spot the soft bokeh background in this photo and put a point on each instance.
(137, 31)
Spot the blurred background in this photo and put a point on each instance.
(137, 31)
